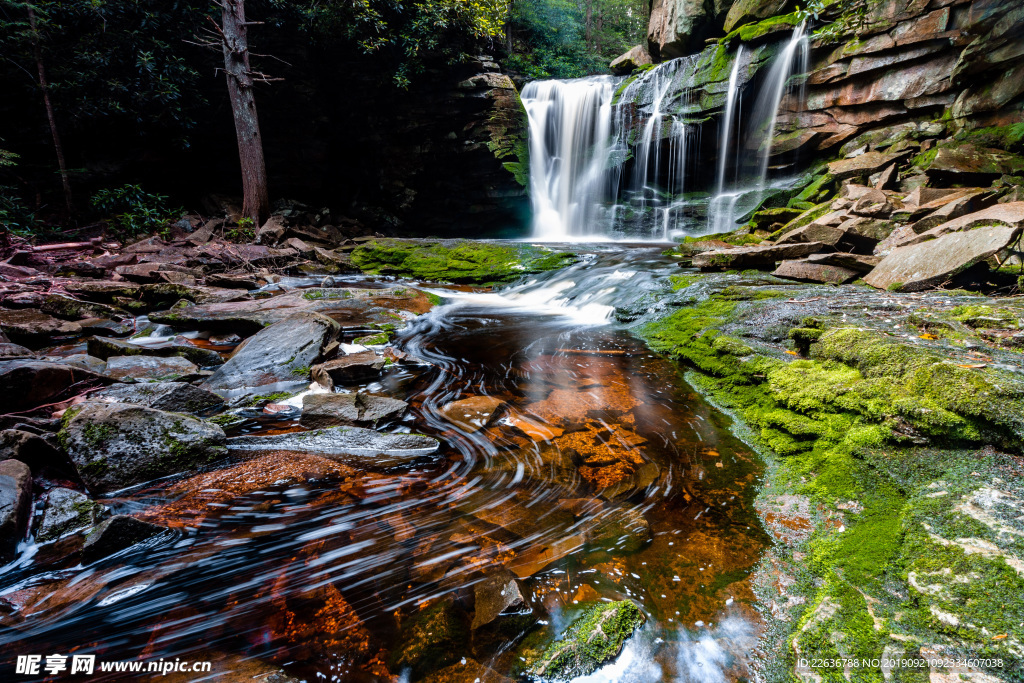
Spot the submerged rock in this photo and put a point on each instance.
(277, 359)
(116, 534)
(430, 639)
(595, 638)
(498, 596)
(15, 505)
(175, 397)
(474, 413)
(66, 512)
(115, 445)
(352, 445)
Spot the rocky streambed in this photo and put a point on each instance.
(371, 479)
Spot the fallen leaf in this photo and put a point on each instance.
(927, 336)
(970, 365)
(1001, 636)
(792, 353)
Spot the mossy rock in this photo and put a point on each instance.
(593, 639)
(431, 639)
(459, 261)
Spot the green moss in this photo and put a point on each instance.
(593, 639)
(683, 281)
(372, 339)
(459, 261)
(755, 30)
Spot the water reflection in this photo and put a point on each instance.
(581, 465)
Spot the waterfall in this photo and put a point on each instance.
(768, 102)
(610, 157)
(570, 135)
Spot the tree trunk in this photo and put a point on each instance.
(255, 202)
(44, 86)
(590, 14)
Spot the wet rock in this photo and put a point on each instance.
(175, 397)
(745, 11)
(808, 271)
(430, 639)
(14, 351)
(755, 257)
(106, 328)
(474, 413)
(15, 505)
(353, 367)
(105, 348)
(277, 359)
(116, 534)
(28, 383)
(932, 263)
(496, 597)
(157, 272)
(149, 368)
(34, 328)
(232, 281)
(626, 63)
(595, 638)
(328, 410)
(84, 361)
(31, 449)
(116, 445)
(66, 512)
(352, 445)
(68, 307)
(466, 669)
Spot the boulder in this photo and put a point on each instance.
(15, 505)
(351, 445)
(626, 63)
(499, 596)
(116, 534)
(84, 361)
(33, 328)
(934, 214)
(873, 204)
(29, 383)
(174, 397)
(329, 409)
(861, 263)
(755, 257)
(277, 359)
(352, 367)
(31, 449)
(746, 11)
(8, 350)
(66, 512)
(116, 445)
(232, 281)
(808, 271)
(474, 413)
(679, 27)
(593, 639)
(930, 264)
(149, 368)
(104, 348)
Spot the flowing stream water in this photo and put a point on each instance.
(270, 562)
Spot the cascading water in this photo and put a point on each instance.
(610, 159)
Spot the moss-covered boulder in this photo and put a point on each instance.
(116, 445)
(595, 638)
(460, 261)
(430, 639)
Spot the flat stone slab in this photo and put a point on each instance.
(742, 257)
(149, 368)
(174, 397)
(808, 271)
(352, 445)
(929, 264)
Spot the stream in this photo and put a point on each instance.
(582, 437)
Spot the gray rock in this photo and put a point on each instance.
(328, 410)
(754, 257)
(104, 348)
(29, 383)
(34, 328)
(858, 262)
(277, 359)
(353, 445)
(31, 449)
(498, 596)
(930, 264)
(175, 397)
(626, 63)
(8, 350)
(863, 165)
(353, 367)
(149, 368)
(15, 505)
(116, 534)
(115, 445)
(85, 361)
(66, 512)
